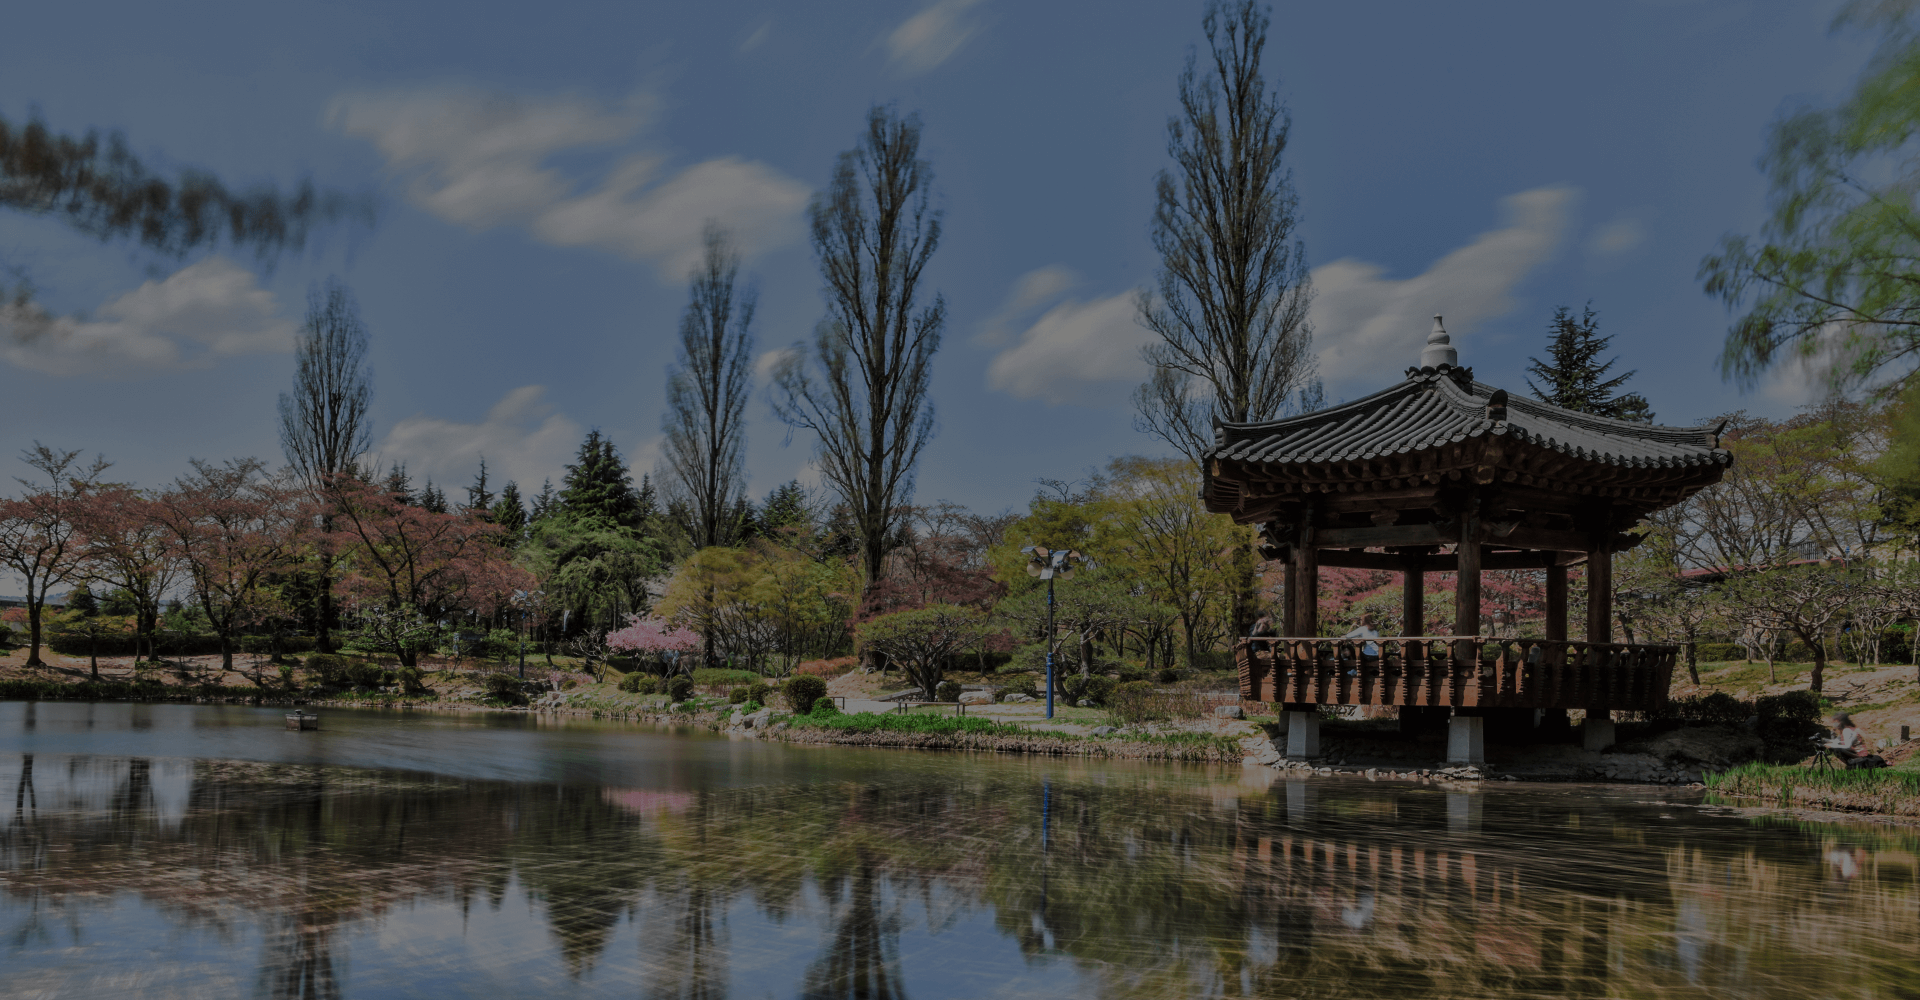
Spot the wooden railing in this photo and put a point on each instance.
(1456, 671)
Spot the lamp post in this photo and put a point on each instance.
(1047, 564)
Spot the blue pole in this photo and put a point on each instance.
(1049, 647)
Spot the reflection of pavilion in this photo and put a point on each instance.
(1444, 474)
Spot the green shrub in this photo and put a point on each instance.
(680, 688)
(1024, 684)
(711, 677)
(1096, 689)
(639, 683)
(1718, 707)
(1718, 652)
(505, 688)
(737, 696)
(1129, 672)
(803, 691)
(948, 691)
(823, 708)
(1133, 701)
(760, 691)
(1167, 675)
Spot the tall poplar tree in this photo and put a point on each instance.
(324, 427)
(707, 394)
(1231, 296)
(861, 385)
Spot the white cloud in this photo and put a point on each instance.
(932, 36)
(769, 362)
(1076, 351)
(521, 437)
(1617, 237)
(481, 159)
(758, 37)
(208, 310)
(1364, 322)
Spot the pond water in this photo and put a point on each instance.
(205, 851)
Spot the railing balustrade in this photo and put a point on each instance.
(1456, 671)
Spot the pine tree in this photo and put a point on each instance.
(433, 499)
(399, 485)
(785, 511)
(81, 601)
(545, 503)
(597, 485)
(646, 502)
(1574, 377)
(479, 497)
(509, 512)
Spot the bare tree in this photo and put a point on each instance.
(323, 421)
(1803, 601)
(707, 392)
(1231, 307)
(39, 532)
(861, 386)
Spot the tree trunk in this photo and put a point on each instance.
(226, 651)
(1819, 666)
(1693, 666)
(33, 631)
(93, 652)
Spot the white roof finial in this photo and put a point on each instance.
(1439, 350)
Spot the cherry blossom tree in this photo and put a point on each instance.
(40, 539)
(407, 559)
(654, 638)
(130, 547)
(235, 527)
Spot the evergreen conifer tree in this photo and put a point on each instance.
(597, 484)
(509, 512)
(1574, 378)
(786, 510)
(399, 485)
(433, 498)
(545, 503)
(479, 497)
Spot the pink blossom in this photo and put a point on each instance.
(652, 635)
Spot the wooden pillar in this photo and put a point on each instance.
(1306, 590)
(1466, 588)
(1413, 597)
(1600, 594)
(1556, 598)
(1287, 626)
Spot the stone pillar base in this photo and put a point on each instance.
(1303, 734)
(1596, 734)
(1467, 740)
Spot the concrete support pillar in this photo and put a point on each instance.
(1556, 600)
(1303, 734)
(1467, 740)
(1596, 734)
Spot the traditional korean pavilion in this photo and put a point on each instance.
(1441, 473)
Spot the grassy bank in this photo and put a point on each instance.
(946, 732)
(1887, 792)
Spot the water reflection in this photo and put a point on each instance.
(985, 877)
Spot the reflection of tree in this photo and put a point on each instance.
(297, 959)
(687, 957)
(1148, 886)
(863, 960)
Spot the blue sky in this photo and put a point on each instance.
(543, 172)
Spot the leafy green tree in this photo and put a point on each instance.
(1573, 377)
(924, 640)
(1831, 277)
